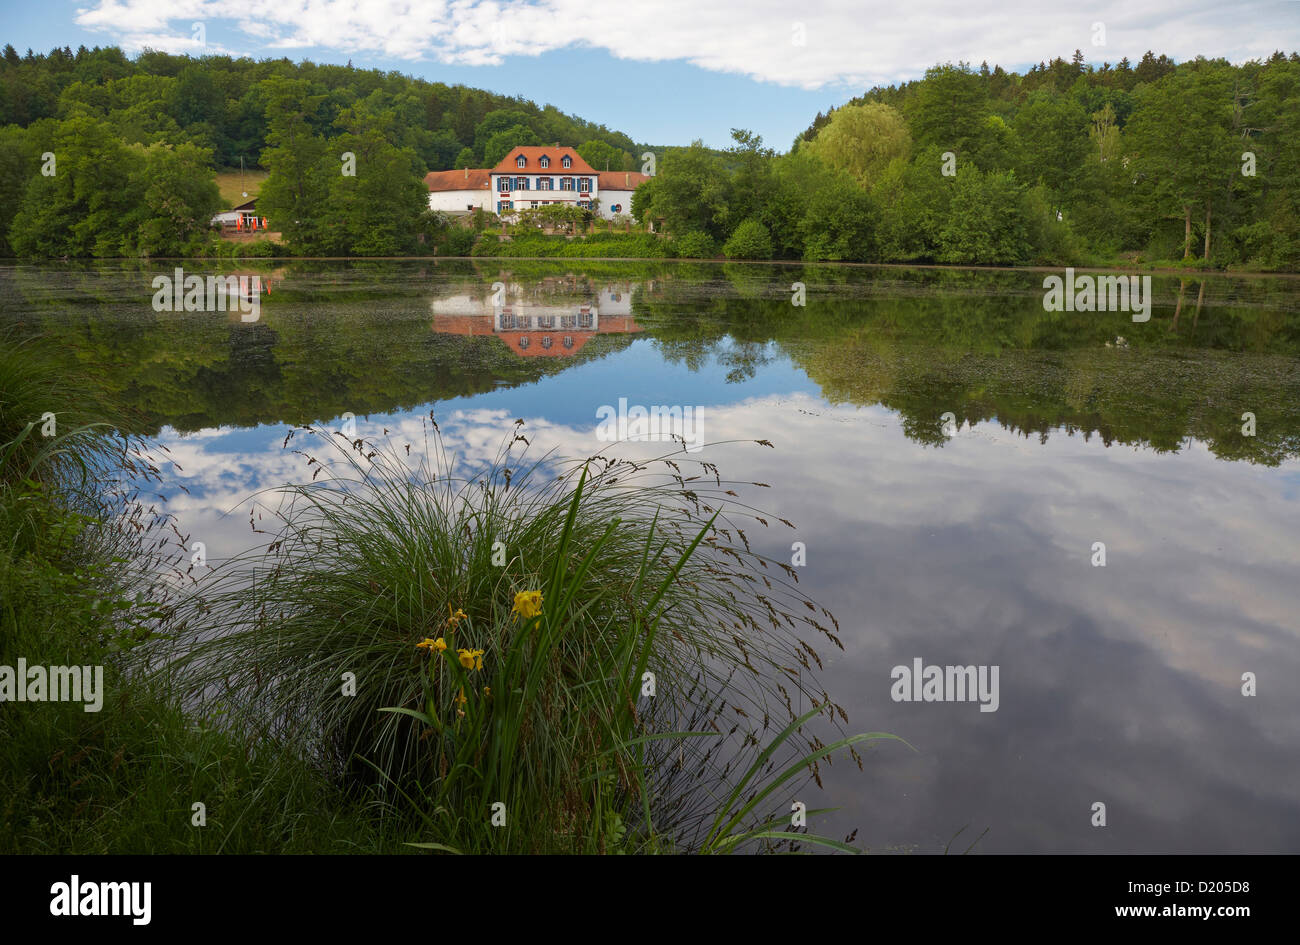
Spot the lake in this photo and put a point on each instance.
(962, 540)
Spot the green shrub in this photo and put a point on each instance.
(458, 241)
(750, 240)
(694, 245)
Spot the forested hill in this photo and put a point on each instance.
(1092, 86)
(1192, 164)
(220, 104)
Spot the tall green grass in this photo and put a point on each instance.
(81, 564)
(642, 567)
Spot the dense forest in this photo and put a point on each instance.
(135, 142)
(1194, 163)
(1190, 164)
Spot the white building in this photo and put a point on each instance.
(461, 191)
(532, 177)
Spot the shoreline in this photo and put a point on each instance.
(1151, 270)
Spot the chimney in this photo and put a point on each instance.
(467, 173)
(627, 181)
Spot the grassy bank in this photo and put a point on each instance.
(75, 591)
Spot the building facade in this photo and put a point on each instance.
(532, 177)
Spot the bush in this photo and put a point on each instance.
(596, 246)
(458, 241)
(694, 246)
(749, 241)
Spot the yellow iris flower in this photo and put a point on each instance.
(527, 604)
(470, 659)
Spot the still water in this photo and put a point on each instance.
(967, 540)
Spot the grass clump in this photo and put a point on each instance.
(533, 655)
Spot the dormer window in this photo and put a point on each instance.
(521, 161)
(568, 161)
(546, 162)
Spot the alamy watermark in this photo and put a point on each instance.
(53, 684)
(657, 422)
(920, 683)
(182, 293)
(1098, 294)
(102, 899)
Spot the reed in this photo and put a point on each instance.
(499, 621)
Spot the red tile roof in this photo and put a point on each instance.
(620, 180)
(464, 179)
(534, 154)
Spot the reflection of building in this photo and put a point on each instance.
(531, 177)
(537, 327)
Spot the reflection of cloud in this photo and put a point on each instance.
(1118, 684)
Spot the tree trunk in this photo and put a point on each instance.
(1207, 232)
(1187, 231)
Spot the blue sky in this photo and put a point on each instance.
(665, 71)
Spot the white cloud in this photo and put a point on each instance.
(852, 45)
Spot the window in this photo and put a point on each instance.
(545, 162)
(545, 321)
(504, 205)
(521, 161)
(584, 184)
(521, 183)
(533, 204)
(503, 184)
(566, 183)
(546, 342)
(568, 341)
(523, 341)
(568, 161)
(585, 320)
(546, 183)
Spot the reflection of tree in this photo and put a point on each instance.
(330, 339)
(744, 358)
(980, 345)
(355, 336)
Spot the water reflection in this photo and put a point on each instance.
(971, 546)
(536, 320)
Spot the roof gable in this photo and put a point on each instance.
(533, 155)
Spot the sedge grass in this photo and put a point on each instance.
(642, 566)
